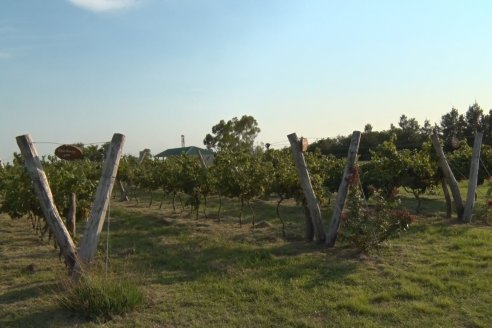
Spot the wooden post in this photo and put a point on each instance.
(123, 193)
(448, 174)
(343, 189)
(473, 177)
(71, 215)
(309, 227)
(43, 192)
(307, 188)
(94, 226)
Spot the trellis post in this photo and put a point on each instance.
(307, 188)
(43, 192)
(94, 226)
(473, 177)
(343, 189)
(448, 174)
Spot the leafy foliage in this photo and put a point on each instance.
(242, 175)
(390, 169)
(366, 227)
(18, 191)
(65, 177)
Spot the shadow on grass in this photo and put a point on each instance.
(22, 294)
(178, 251)
(48, 318)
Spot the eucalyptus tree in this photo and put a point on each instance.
(235, 134)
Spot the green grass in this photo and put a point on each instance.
(101, 297)
(202, 273)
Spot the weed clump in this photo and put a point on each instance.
(99, 297)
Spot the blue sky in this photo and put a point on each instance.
(80, 70)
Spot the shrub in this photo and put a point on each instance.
(367, 226)
(483, 212)
(98, 297)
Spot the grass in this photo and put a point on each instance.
(202, 273)
(100, 297)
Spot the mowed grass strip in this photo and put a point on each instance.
(202, 273)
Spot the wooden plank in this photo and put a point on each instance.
(43, 192)
(343, 189)
(307, 188)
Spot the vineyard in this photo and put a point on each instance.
(236, 244)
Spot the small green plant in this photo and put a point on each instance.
(99, 297)
(483, 211)
(367, 226)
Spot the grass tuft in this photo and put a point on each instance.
(98, 297)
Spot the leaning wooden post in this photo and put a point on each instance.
(94, 226)
(307, 187)
(123, 192)
(43, 192)
(309, 227)
(448, 174)
(473, 177)
(343, 189)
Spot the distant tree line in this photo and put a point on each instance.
(409, 134)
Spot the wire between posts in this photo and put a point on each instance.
(484, 167)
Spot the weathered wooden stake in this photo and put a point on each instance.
(94, 226)
(43, 192)
(448, 174)
(124, 194)
(343, 189)
(309, 227)
(473, 177)
(307, 188)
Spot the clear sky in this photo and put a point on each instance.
(81, 70)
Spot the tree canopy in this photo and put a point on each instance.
(409, 134)
(234, 134)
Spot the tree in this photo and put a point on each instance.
(235, 134)
(453, 127)
(409, 133)
(475, 121)
(487, 133)
(370, 140)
